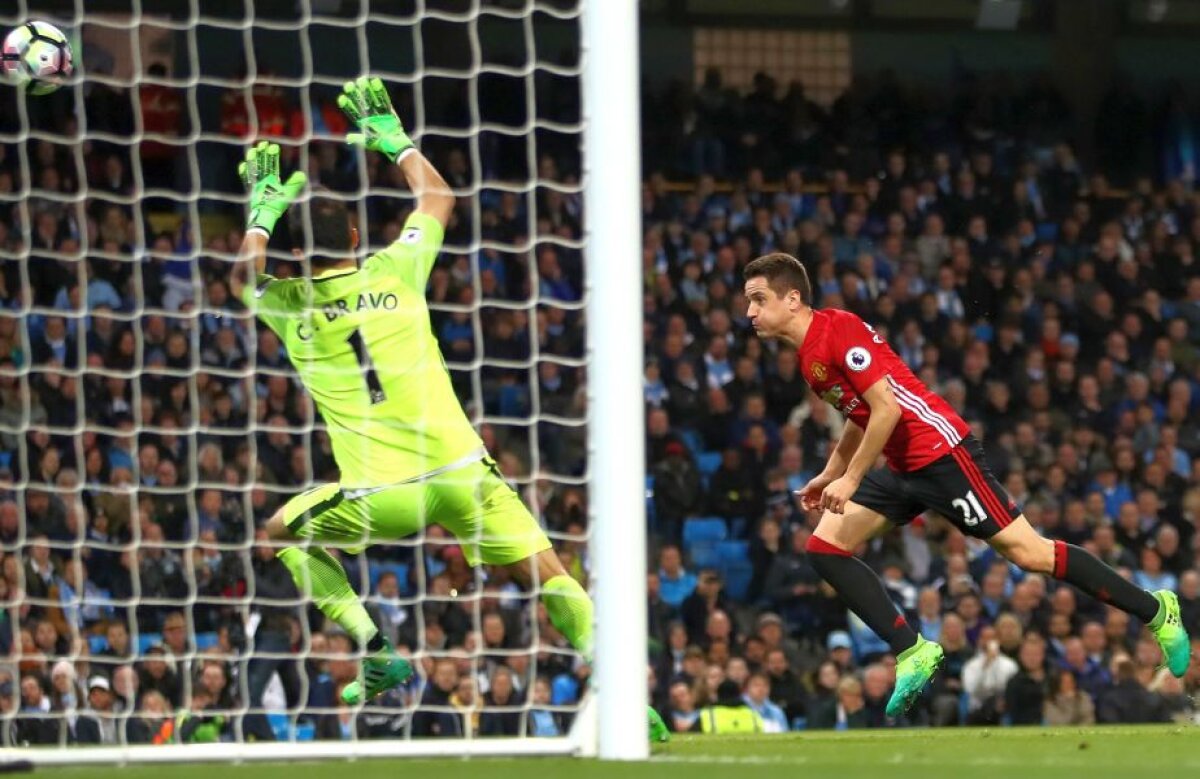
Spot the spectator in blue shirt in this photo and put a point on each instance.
(1151, 575)
(675, 581)
(758, 697)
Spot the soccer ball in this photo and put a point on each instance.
(36, 56)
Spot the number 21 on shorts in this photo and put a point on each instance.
(972, 510)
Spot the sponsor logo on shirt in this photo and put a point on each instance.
(833, 396)
(858, 359)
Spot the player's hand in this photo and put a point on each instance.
(367, 104)
(810, 494)
(269, 197)
(838, 494)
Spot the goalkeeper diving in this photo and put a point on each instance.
(361, 341)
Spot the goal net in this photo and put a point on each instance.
(149, 427)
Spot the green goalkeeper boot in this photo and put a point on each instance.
(1167, 628)
(658, 729)
(914, 668)
(380, 672)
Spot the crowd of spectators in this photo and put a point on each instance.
(1059, 315)
(148, 429)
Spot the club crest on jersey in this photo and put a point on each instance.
(818, 371)
(858, 359)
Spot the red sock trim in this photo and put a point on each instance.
(1060, 559)
(816, 545)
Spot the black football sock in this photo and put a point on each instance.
(1079, 567)
(376, 643)
(862, 590)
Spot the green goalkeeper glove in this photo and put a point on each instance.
(367, 104)
(269, 197)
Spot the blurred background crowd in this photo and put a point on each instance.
(148, 428)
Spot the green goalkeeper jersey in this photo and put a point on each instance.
(362, 343)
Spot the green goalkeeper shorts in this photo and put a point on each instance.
(472, 502)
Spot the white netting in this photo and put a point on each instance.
(148, 429)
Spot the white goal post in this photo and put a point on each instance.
(611, 721)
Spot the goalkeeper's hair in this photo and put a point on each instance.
(783, 273)
(328, 222)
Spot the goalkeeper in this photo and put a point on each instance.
(361, 341)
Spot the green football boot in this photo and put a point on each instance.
(380, 672)
(1168, 630)
(914, 668)
(658, 729)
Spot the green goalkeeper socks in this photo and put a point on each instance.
(322, 579)
(570, 611)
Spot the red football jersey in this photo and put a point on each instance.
(842, 356)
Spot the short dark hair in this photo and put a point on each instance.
(329, 223)
(783, 273)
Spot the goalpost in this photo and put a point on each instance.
(404, 42)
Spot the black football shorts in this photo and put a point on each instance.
(959, 486)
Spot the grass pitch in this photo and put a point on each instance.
(1158, 752)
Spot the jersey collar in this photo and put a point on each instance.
(814, 327)
(333, 273)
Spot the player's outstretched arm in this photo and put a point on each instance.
(269, 200)
(366, 102)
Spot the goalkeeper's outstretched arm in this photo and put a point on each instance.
(434, 196)
(269, 199)
(366, 102)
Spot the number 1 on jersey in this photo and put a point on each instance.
(374, 387)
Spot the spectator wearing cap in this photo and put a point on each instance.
(678, 491)
(840, 647)
(64, 689)
(98, 723)
(772, 631)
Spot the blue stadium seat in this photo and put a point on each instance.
(147, 640)
(737, 580)
(702, 554)
(514, 401)
(279, 725)
(708, 463)
(1047, 231)
(205, 641)
(306, 731)
(700, 538)
(710, 529)
(734, 552)
(691, 439)
(564, 690)
(97, 644)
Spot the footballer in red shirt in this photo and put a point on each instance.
(933, 462)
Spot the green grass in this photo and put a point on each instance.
(1010, 753)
